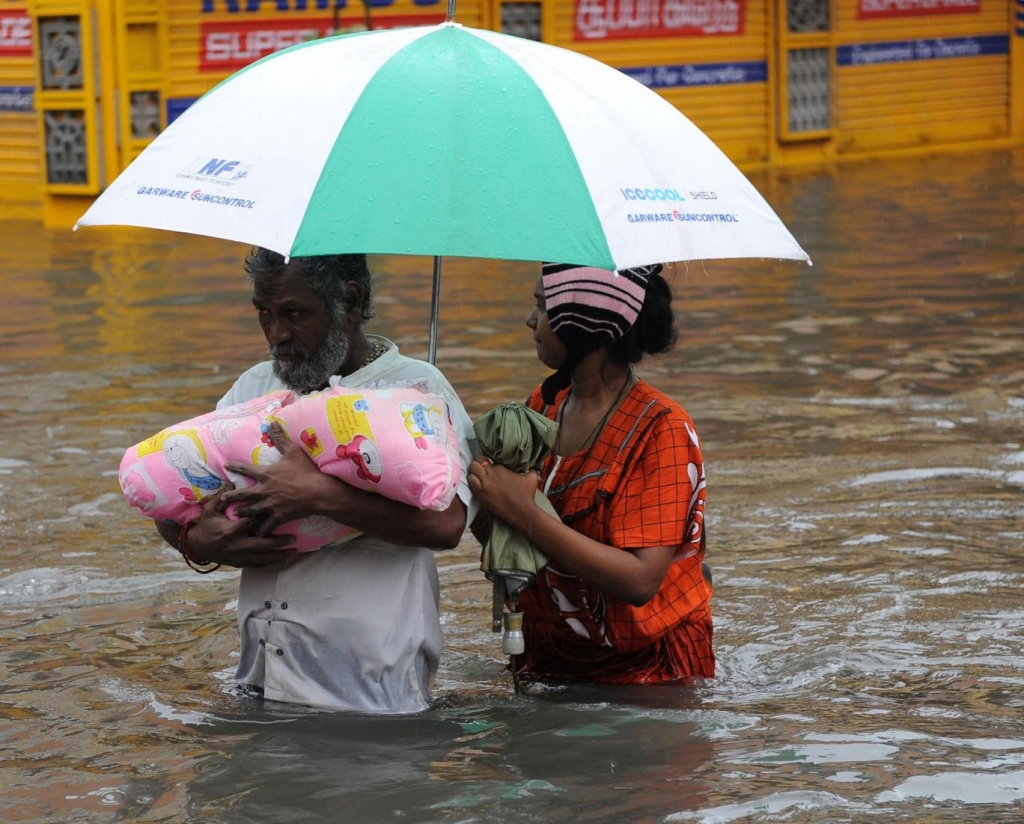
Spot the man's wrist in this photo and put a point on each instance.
(335, 499)
(199, 565)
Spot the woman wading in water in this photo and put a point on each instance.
(625, 598)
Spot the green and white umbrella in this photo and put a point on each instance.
(445, 140)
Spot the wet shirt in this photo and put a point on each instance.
(641, 484)
(353, 627)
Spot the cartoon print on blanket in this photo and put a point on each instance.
(398, 442)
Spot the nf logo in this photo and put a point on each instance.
(217, 167)
(218, 170)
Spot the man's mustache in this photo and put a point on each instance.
(288, 349)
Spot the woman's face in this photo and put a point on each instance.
(550, 349)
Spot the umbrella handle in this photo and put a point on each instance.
(434, 305)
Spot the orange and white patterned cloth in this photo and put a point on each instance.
(641, 484)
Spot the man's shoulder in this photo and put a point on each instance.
(403, 372)
(261, 371)
(252, 383)
(412, 372)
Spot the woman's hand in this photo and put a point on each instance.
(506, 494)
(631, 575)
(291, 489)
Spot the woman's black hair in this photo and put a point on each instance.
(327, 275)
(655, 331)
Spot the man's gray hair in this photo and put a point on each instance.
(326, 275)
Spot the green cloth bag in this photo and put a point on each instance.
(519, 438)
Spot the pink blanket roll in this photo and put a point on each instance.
(398, 442)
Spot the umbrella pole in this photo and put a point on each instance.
(436, 300)
(434, 304)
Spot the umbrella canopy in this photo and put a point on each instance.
(445, 140)
(519, 438)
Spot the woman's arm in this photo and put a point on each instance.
(633, 575)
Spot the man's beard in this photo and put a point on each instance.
(307, 372)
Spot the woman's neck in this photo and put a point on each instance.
(598, 387)
(597, 381)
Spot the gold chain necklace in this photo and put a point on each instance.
(377, 350)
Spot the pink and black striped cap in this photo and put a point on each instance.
(597, 305)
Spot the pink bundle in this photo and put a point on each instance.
(398, 442)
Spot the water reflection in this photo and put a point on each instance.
(862, 425)
(506, 761)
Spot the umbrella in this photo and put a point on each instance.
(519, 438)
(445, 140)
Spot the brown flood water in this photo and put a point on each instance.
(863, 427)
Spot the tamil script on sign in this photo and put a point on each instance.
(597, 19)
(868, 9)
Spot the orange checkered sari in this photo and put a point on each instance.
(641, 484)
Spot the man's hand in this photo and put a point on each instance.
(217, 539)
(291, 489)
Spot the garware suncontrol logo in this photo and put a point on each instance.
(684, 217)
(196, 194)
(705, 217)
(651, 194)
(221, 200)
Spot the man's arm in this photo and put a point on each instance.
(295, 488)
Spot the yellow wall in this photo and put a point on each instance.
(1016, 15)
(195, 40)
(736, 115)
(924, 102)
(157, 56)
(20, 143)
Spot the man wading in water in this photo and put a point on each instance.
(354, 626)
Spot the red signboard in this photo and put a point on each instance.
(15, 34)
(870, 9)
(229, 45)
(618, 19)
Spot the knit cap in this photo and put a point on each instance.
(588, 308)
(591, 303)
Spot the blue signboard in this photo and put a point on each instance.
(16, 99)
(936, 48)
(700, 74)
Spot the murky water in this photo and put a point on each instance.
(863, 426)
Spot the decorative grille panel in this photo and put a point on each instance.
(807, 88)
(521, 19)
(65, 146)
(807, 15)
(60, 52)
(145, 113)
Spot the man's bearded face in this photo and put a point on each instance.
(303, 371)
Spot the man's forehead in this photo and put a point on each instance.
(286, 286)
(270, 296)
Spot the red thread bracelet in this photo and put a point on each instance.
(186, 551)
